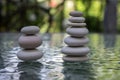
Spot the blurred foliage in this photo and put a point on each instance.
(93, 12)
(49, 15)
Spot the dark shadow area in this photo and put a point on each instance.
(1, 51)
(29, 70)
(78, 71)
(1, 61)
(109, 40)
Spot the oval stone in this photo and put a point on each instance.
(76, 24)
(74, 41)
(29, 55)
(77, 19)
(72, 59)
(77, 32)
(30, 30)
(29, 42)
(75, 51)
(76, 14)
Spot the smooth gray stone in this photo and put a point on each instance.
(74, 41)
(76, 14)
(77, 19)
(29, 55)
(29, 42)
(30, 30)
(77, 32)
(75, 59)
(75, 51)
(76, 24)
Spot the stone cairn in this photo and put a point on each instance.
(76, 49)
(29, 41)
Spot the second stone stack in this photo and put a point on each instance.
(29, 41)
(76, 49)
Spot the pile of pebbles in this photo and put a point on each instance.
(76, 49)
(29, 41)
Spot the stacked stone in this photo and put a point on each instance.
(29, 41)
(76, 49)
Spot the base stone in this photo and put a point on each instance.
(74, 59)
(29, 55)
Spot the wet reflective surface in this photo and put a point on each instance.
(104, 63)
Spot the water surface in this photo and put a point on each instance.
(104, 63)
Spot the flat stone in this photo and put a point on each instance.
(76, 24)
(75, 51)
(75, 59)
(74, 41)
(77, 32)
(29, 55)
(30, 30)
(76, 14)
(29, 42)
(76, 19)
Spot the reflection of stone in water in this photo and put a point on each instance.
(78, 71)
(1, 62)
(30, 70)
(109, 40)
(1, 59)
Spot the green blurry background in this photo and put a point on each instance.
(51, 15)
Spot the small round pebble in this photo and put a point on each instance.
(74, 41)
(76, 24)
(77, 32)
(75, 50)
(76, 14)
(76, 19)
(30, 30)
(29, 42)
(74, 59)
(29, 55)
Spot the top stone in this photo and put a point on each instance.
(30, 30)
(76, 14)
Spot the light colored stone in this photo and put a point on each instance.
(76, 19)
(74, 41)
(29, 42)
(30, 30)
(76, 24)
(75, 51)
(77, 32)
(76, 14)
(29, 55)
(72, 59)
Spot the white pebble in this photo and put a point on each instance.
(30, 30)
(74, 41)
(76, 13)
(77, 32)
(28, 55)
(76, 24)
(76, 19)
(75, 51)
(30, 42)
